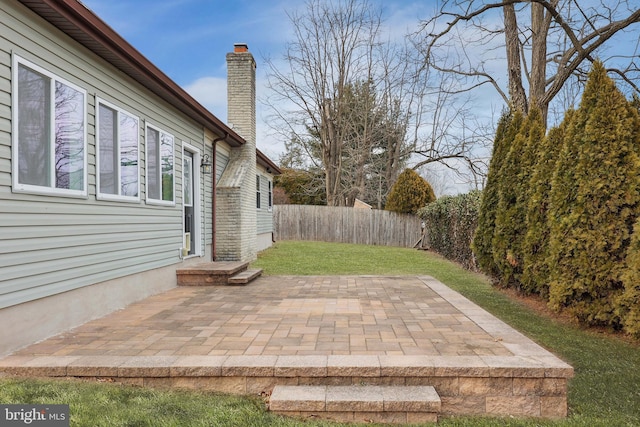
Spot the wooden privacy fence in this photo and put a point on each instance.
(345, 225)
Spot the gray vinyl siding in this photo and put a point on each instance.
(51, 244)
(264, 215)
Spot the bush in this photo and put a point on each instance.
(482, 244)
(535, 274)
(451, 223)
(594, 203)
(510, 222)
(410, 193)
(630, 301)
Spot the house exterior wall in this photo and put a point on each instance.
(264, 213)
(50, 245)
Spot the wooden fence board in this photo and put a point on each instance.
(345, 225)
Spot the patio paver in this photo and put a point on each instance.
(314, 331)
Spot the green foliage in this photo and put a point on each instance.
(535, 247)
(629, 304)
(594, 203)
(451, 222)
(301, 186)
(410, 193)
(510, 222)
(482, 241)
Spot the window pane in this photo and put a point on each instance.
(108, 150)
(153, 171)
(258, 191)
(34, 112)
(166, 151)
(128, 155)
(69, 142)
(187, 183)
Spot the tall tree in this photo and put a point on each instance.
(482, 245)
(336, 44)
(546, 43)
(535, 276)
(510, 222)
(594, 202)
(340, 60)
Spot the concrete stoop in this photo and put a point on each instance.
(358, 403)
(220, 273)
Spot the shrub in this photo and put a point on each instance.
(510, 222)
(535, 247)
(410, 193)
(629, 305)
(451, 223)
(482, 241)
(594, 203)
(300, 187)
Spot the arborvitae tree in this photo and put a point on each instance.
(630, 302)
(410, 193)
(535, 247)
(510, 223)
(594, 203)
(482, 240)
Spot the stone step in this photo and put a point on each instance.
(210, 273)
(358, 403)
(245, 277)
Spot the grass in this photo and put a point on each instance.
(604, 392)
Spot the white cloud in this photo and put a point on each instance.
(211, 92)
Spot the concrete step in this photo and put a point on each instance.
(244, 277)
(210, 273)
(358, 403)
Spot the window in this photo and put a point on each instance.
(118, 154)
(49, 133)
(270, 195)
(159, 147)
(258, 191)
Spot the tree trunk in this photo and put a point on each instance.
(537, 83)
(516, 89)
(331, 151)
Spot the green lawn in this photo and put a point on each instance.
(604, 392)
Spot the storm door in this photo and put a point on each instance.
(189, 202)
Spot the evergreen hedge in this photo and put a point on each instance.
(535, 247)
(594, 202)
(560, 214)
(451, 223)
(510, 222)
(482, 244)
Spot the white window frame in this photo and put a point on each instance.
(270, 203)
(39, 189)
(107, 196)
(150, 200)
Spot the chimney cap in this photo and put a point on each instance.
(240, 47)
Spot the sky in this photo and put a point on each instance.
(189, 39)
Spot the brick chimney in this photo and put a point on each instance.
(236, 218)
(241, 93)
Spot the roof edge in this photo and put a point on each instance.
(92, 26)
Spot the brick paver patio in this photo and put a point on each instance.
(286, 316)
(315, 332)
